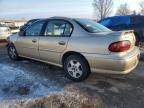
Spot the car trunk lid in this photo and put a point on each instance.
(107, 38)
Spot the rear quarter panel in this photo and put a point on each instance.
(91, 43)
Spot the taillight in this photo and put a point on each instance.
(120, 46)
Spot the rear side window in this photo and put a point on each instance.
(58, 28)
(91, 26)
(35, 29)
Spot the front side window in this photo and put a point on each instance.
(91, 26)
(58, 28)
(35, 29)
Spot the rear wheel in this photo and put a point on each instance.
(12, 52)
(76, 67)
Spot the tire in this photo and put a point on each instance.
(12, 53)
(76, 68)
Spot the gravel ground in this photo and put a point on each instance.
(30, 80)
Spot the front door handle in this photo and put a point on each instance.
(34, 40)
(61, 43)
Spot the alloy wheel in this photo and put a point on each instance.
(12, 52)
(74, 68)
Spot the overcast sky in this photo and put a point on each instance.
(17, 9)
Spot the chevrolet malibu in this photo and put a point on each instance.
(80, 46)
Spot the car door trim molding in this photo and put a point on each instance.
(59, 65)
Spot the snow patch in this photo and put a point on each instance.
(17, 83)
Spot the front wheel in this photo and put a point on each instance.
(12, 53)
(76, 68)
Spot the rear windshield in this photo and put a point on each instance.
(91, 26)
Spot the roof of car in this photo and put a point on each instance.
(60, 17)
(34, 19)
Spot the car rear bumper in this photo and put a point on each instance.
(112, 64)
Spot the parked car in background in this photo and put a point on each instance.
(28, 24)
(4, 32)
(14, 29)
(80, 46)
(133, 22)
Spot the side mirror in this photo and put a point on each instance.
(22, 33)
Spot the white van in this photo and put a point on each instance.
(4, 32)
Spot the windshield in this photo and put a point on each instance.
(91, 26)
(31, 21)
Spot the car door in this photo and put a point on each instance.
(54, 41)
(27, 44)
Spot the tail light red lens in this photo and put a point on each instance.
(120, 46)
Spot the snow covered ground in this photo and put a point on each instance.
(28, 79)
(17, 83)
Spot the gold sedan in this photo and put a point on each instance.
(80, 46)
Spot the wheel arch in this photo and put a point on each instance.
(65, 55)
(9, 43)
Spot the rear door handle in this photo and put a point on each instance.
(34, 40)
(61, 43)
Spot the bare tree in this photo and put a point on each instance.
(123, 9)
(141, 4)
(102, 8)
(134, 12)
